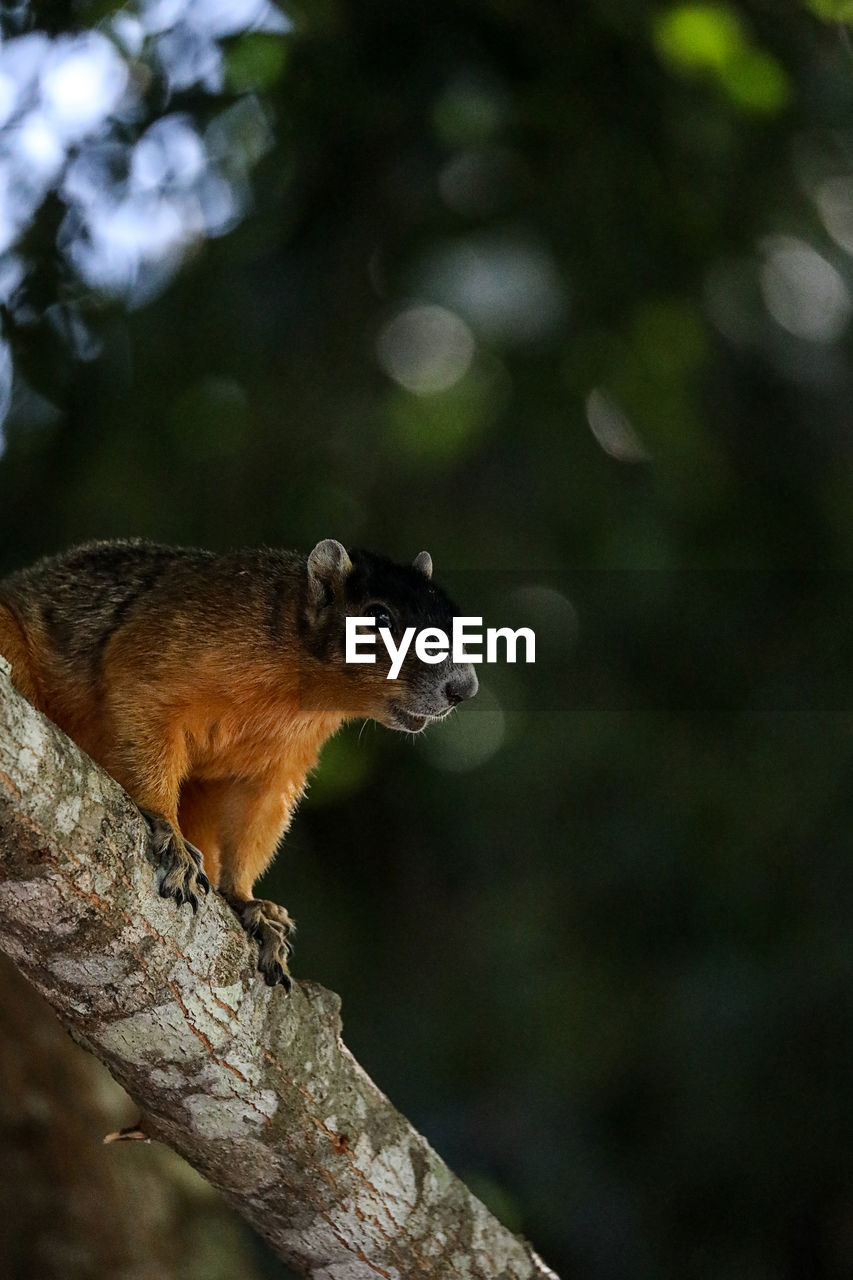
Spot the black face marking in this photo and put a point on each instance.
(413, 599)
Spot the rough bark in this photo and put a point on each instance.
(254, 1088)
(71, 1210)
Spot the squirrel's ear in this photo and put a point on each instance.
(328, 564)
(423, 561)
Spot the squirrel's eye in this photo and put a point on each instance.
(381, 614)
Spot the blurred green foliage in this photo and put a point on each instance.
(594, 935)
(711, 39)
(831, 10)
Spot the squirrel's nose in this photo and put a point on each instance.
(462, 684)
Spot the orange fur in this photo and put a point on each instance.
(222, 757)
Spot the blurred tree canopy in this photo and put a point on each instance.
(563, 294)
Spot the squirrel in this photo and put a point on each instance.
(206, 685)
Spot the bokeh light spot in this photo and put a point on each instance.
(612, 428)
(803, 292)
(834, 198)
(426, 349)
(508, 288)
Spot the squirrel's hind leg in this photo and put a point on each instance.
(254, 821)
(200, 820)
(149, 759)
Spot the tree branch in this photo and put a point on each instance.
(254, 1088)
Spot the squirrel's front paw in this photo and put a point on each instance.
(182, 863)
(270, 925)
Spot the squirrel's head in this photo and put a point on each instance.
(360, 584)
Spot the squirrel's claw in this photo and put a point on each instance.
(201, 881)
(269, 925)
(275, 974)
(183, 876)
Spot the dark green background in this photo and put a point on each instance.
(594, 936)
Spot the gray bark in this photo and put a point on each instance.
(254, 1088)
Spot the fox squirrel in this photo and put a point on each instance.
(206, 685)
